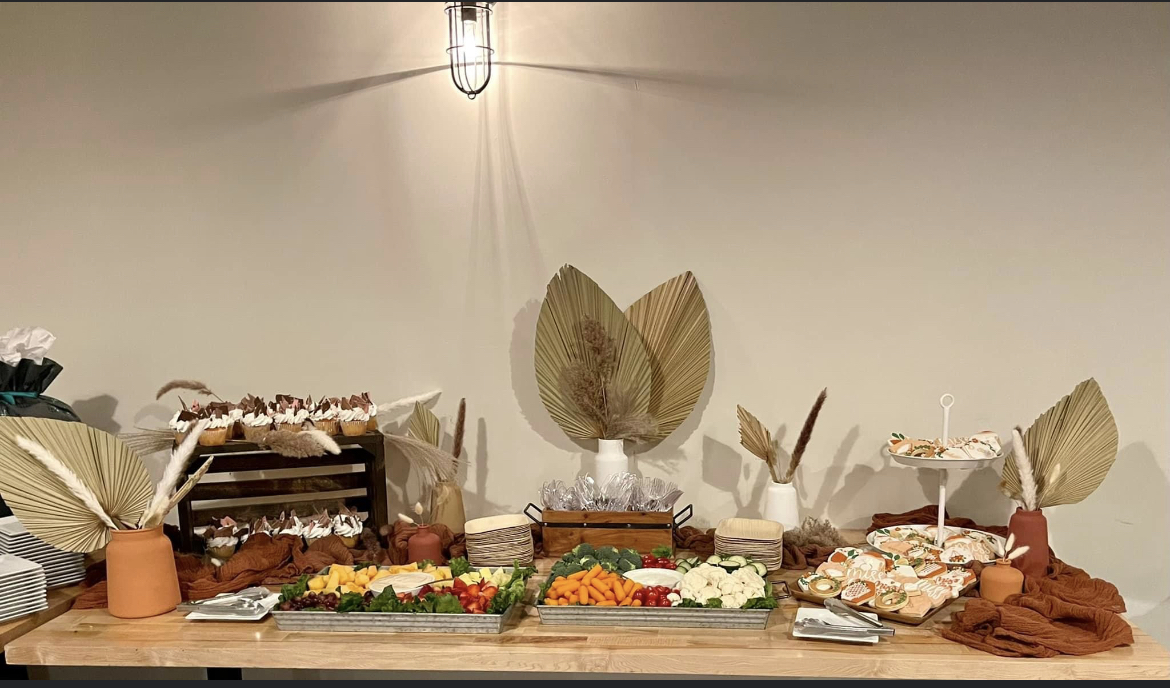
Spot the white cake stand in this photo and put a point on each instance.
(942, 465)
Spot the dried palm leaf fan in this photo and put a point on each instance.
(425, 426)
(573, 299)
(69, 484)
(55, 511)
(756, 439)
(676, 329)
(1071, 447)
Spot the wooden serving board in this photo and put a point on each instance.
(889, 616)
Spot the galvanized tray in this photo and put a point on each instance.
(654, 617)
(396, 622)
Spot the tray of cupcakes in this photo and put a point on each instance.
(224, 536)
(893, 587)
(253, 418)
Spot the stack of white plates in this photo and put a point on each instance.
(756, 539)
(61, 568)
(22, 587)
(499, 540)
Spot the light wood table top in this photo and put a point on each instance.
(60, 600)
(94, 638)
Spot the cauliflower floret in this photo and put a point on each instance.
(733, 600)
(703, 583)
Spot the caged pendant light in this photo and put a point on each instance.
(469, 45)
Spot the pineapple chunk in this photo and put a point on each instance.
(485, 573)
(317, 583)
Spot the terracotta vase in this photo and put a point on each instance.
(1031, 529)
(999, 581)
(425, 545)
(447, 506)
(140, 574)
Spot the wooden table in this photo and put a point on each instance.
(94, 638)
(59, 600)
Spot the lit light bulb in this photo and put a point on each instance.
(470, 45)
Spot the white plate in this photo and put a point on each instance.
(827, 616)
(940, 463)
(17, 615)
(668, 577)
(269, 602)
(951, 530)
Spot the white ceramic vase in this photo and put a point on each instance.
(781, 505)
(611, 459)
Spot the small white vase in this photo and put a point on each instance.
(781, 505)
(611, 459)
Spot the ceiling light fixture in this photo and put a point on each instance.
(469, 45)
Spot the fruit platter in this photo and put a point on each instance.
(455, 599)
(605, 587)
(889, 585)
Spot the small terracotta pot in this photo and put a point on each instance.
(425, 545)
(140, 573)
(1031, 529)
(997, 582)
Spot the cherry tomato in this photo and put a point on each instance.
(640, 595)
(652, 600)
(663, 602)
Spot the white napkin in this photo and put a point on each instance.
(25, 342)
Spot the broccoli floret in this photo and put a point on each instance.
(610, 566)
(583, 550)
(588, 562)
(625, 566)
(607, 553)
(629, 555)
(569, 556)
(564, 568)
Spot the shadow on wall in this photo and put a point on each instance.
(98, 412)
(1126, 529)
(258, 108)
(833, 474)
(722, 467)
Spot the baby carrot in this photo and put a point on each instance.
(607, 603)
(577, 576)
(636, 603)
(601, 585)
(564, 602)
(619, 592)
(626, 602)
(597, 595)
(583, 595)
(610, 596)
(592, 574)
(553, 594)
(567, 586)
(550, 601)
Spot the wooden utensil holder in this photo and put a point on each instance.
(561, 531)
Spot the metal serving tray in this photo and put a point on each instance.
(654, 617)
(396, 622)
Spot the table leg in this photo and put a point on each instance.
(224, 674)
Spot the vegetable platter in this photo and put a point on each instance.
(452, 606)
(717, 592)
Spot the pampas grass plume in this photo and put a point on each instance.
(1024, 468)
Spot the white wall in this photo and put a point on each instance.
(891, 201)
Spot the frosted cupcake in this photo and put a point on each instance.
(324, 416)
(222, 540)
(181, 423)
(372, 409)
(216, 432)
(291, 526)
(348, 526)
(290, 415)
(321, 526)
(260, 526)
(257, 423)
(236, 415)
(354, 418)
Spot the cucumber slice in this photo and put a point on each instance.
(742, 561)
(729, 565)
(694, 561)
(715, 560)
(760, 569)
